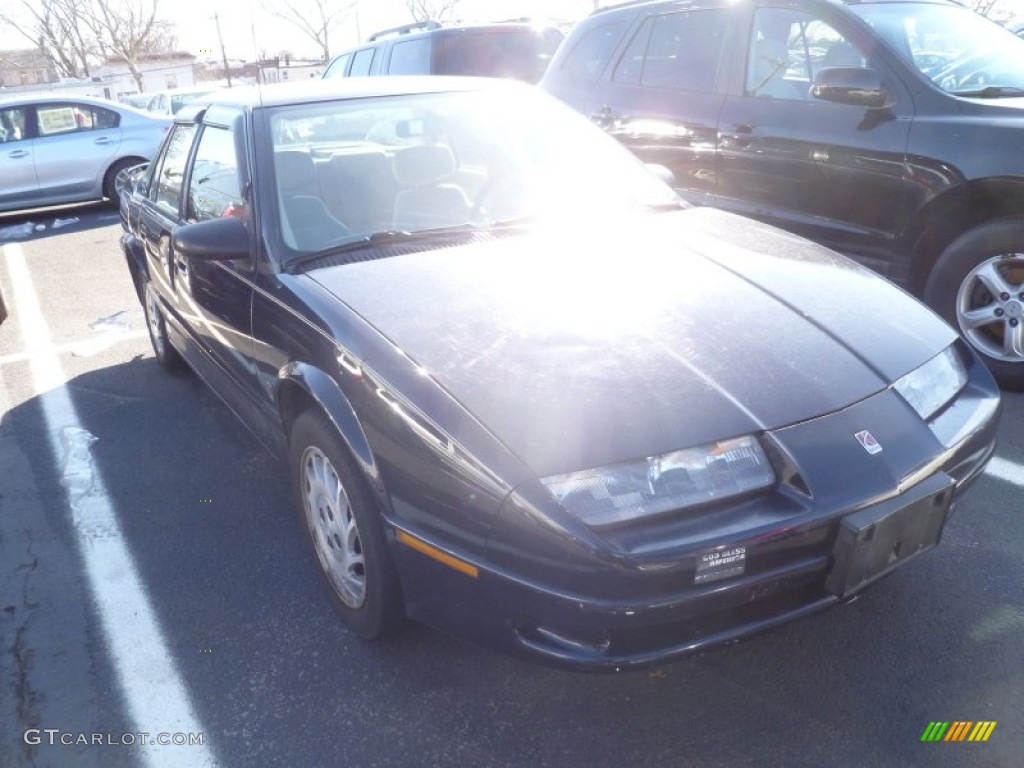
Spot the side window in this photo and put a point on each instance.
(13, 121)
(167, 190)
(337, 68)
(591, 53)
(684, 50)
(410, 57)
(55, 119)
(361, 62)
(788, 49)
(214, 188)
(631, 65)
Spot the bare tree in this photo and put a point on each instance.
(315, 18)
(983, 7)
(126, 30)
(53, 27)
(426, 10)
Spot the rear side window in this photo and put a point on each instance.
(587, 58)
(55, 119)
(337, 68)
(13, 124)
(214, 189)
(361, 62)
(677, 50)
(522, 54)
(410, 57)
(172, 169)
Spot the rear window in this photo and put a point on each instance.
(410, 57)
(522, 54)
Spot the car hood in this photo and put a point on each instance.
(644, 335)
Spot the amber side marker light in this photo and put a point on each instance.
(443, 557)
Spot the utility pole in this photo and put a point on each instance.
(223, 51)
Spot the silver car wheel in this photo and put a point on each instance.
(332, 527)
(990, 307)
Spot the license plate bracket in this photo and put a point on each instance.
(872, 542)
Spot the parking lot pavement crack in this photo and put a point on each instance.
(27, 699)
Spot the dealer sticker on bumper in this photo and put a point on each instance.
(720, 564)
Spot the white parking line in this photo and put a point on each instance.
(153, 691)
(1005, 470)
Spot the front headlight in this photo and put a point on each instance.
(932, 385)
(663, 483)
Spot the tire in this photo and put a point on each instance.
(110, 179)
(344, 528)
(165, 354)
(977, 285)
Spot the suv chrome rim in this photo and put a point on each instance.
(990, 307)
(153, 321)
(332, 527)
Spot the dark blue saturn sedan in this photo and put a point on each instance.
(526, 395)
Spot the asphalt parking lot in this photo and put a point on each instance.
(153, 580)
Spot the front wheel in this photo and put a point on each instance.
(165, 354)
(344, 528)
(977, 285)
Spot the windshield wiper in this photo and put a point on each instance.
(992, 92)
(374, 239)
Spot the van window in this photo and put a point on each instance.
(361, 62)
(684, 50)
(410, 57)
(337, 68)
(591, 53)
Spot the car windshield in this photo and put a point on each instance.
(350, 169)
(957, 49)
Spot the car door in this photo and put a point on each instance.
(218, 294)
(833, 172)
(75, 145)
(19, 187)
(662, 97)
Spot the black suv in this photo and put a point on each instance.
(889, 131)
(504, 49)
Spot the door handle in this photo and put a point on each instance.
(18, 153)
(604, 117)
(741, 135)
(103, 140)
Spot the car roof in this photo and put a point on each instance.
(38, 98)
(332, 89)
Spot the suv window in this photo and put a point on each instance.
(410, 57)
(337, 68)
(172, 169)
(519, 53)
(787, 50)
(677, 50)
(591, 52)
(361, 62)
(214, 188)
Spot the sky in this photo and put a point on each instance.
(240, 19)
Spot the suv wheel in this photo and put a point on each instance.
(978, 286)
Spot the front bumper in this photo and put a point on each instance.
(646, 606)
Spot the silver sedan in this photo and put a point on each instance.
(59, 149)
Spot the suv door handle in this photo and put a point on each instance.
(18, 153)
(604, 117)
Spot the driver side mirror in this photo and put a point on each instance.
(223, 239)
(856, 86)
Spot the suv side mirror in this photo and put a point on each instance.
(857, 86)
(222, 239)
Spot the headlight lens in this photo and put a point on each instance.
(662, 483)
(933, 384)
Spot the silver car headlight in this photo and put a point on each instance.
(932, 385)
(663, 483)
